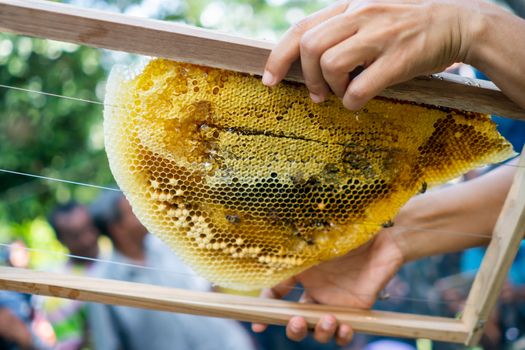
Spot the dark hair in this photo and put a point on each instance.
(105, 211)
(60, 210)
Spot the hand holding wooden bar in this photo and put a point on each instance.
(200, 46)
(223, 305)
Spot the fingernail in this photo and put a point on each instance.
(295, 327)
(326, 324)
(268, 79)
(316, 98)
(343, 333)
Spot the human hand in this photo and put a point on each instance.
(393, 40)
(354, 280)
(13, 329)
(454, 298)
(511, 293)
(508, 294)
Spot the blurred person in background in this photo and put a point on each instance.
(19, 327)
(15, 321)
(117, 327)
(74, 228)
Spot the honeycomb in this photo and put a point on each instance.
(250, 185)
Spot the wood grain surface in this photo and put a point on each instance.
(502, 250)
(225, 305)
(210, 48)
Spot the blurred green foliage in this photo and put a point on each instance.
(47, 135)
(61, 138)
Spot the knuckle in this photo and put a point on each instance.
(309, 45)
(301, 26)
(350, 16)
(336, 62)
(317, 87)
(331, 62)
(371, 7)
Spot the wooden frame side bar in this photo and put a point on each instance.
(504, 245)
(194, 45)
(223, 305)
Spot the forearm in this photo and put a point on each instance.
(453, 218)
(498, 49)
(13, 329)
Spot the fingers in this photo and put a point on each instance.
(344, 335)
(325, 329)
(259, 327)
(288, 49)
(369, 83)
(314, 43)
(338, 61)
(306, 299)
(297, 329)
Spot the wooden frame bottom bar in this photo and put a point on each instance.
(224, 305)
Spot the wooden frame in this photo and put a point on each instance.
(200, 46)
(157, 38)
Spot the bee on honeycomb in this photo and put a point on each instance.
(250, 185)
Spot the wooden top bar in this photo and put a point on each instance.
(200, 46)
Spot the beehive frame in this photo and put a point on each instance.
(168, 40)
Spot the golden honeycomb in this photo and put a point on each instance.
(250, 185)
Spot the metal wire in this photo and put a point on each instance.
(51, 94)
(383, 295)
(379, 225)
(59, 180)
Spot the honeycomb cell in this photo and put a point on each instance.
(250, 185)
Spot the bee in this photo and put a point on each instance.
(388, 224)
(234, 219)
(423, 187)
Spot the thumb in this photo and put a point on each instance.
(306, 298)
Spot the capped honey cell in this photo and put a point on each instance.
(251, 185)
